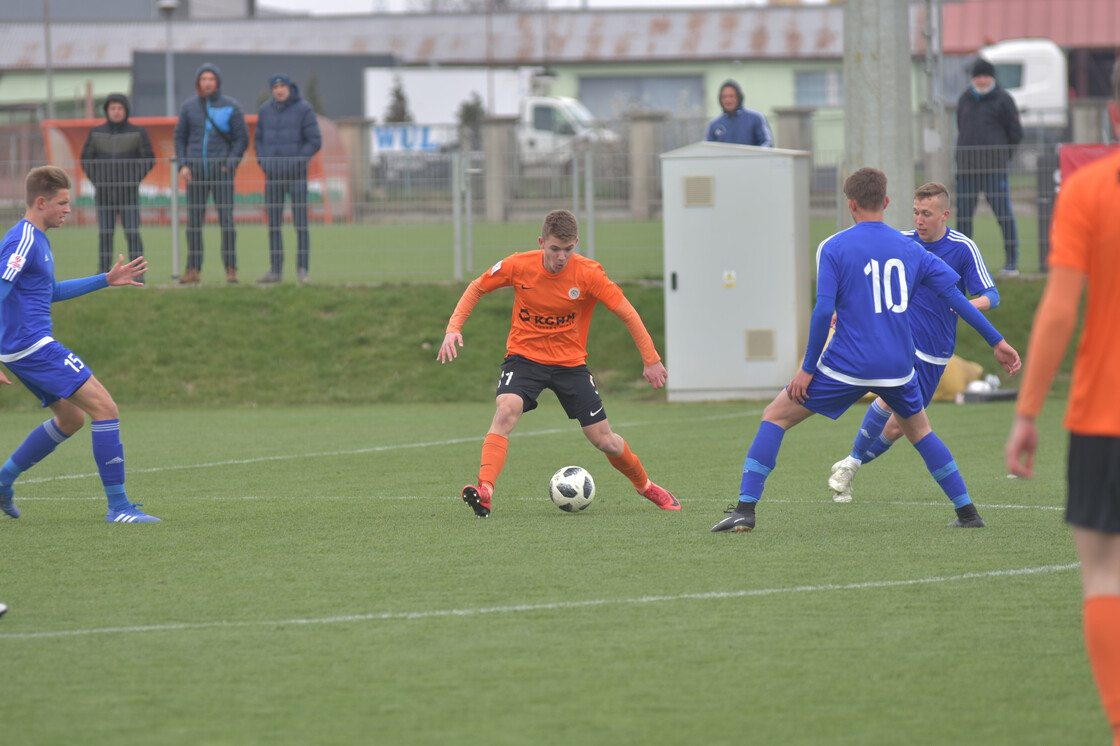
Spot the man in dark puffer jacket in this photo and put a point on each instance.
(210, 139)
(116, 157)
(286, 138)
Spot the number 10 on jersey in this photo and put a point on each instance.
(883, 289)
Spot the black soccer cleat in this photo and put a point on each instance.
(738, 521)
(478, 500)
(967, 517)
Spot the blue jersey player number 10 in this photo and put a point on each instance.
(883, 290)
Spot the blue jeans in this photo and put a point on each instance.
(994, 186)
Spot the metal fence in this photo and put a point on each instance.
(493, 185)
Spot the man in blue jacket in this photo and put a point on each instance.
(737, 124)
(287, 136)
(210, 139)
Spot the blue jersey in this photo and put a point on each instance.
(25, 314)
(933, 325)
(869, 274)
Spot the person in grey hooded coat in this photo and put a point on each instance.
(210, 140)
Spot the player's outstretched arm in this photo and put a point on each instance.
(1007, 357)
(4, 379)
(126, 274)
(655, 374)
(447, 350)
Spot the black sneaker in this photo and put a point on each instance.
(967, 517)
(738, 521)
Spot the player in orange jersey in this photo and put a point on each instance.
(555, 291)
(1085, 248)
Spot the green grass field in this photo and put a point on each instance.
(317, 580)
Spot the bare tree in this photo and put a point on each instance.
(398, 107)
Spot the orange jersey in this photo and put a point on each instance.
(551, 312)
(1085, 236)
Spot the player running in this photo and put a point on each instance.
(555, 292)
(866, 275)
(932, 324)
(50, 371)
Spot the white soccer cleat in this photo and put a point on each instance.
(840, 482)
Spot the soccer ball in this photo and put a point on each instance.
(572, 489)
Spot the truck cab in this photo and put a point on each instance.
(550, 128)
(1034, 72)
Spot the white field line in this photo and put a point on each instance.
(373, 449)
(390, 616)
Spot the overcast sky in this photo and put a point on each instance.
(335, 7)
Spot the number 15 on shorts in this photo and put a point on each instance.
(74, 362)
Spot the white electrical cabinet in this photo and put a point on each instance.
(738, 269)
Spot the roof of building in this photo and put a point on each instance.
(1071, 24)
(508, 39)
(562, 36)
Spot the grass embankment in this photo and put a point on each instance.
(246, 346)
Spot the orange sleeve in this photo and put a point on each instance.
(471, 296)
(625, 311)
(1050, 335)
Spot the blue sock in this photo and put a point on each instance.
(109, 455)
(873, 423)
(761, 460)
(944, 469)
(37, 446)
(878, 448)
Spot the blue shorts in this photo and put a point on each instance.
(833, 398)
(52, 372)
(928, 375)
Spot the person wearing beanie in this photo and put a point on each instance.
(988, 129)
(210, 140)
(287, 137)
(738, 124)
(116, 157)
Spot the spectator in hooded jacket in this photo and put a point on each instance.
(988, 129)
(737, 124)
(116, 157)
(210, 139)
(286, 138)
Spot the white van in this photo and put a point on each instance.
(1034, 72)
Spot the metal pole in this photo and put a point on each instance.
(49, 60)
(457, 213)
(173, 179)
(169, 70)
(575, 183)
(589, 200)
(469, 210)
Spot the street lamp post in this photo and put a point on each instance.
(168, 8)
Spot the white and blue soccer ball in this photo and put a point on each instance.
(572, 489)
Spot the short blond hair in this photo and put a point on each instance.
(45, 181)
(931, 190)
(560, 224)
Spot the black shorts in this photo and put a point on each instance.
(1094, 483)
(574, 387)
